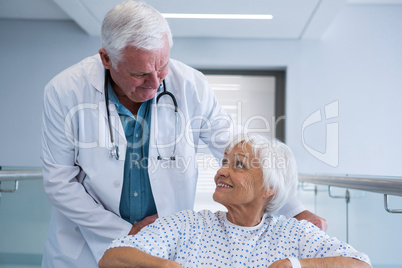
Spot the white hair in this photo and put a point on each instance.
(134, 24)
(278, 166)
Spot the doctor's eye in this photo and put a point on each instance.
(138, 75)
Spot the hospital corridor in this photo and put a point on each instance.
(113, 111)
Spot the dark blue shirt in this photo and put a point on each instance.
(137, 201)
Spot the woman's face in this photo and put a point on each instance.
(239, 183)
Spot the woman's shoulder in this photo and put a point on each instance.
(291, 225)
(280, 221)
(200, 218)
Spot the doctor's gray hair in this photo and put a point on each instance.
(278, 166)
(134, 24)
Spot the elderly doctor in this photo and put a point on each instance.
(114, 153)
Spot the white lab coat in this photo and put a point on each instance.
(84, 183)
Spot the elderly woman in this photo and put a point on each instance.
(257, 177)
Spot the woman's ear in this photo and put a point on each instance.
(268, 193)
(107, 63)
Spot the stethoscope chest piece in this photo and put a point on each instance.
(114, 152)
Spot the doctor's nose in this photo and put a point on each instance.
(153, 80)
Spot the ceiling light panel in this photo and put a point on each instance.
(217, 16)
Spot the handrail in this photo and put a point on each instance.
(377, 184)
(17, 175)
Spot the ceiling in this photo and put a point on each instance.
(292, 19)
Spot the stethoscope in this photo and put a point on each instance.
(114, 150)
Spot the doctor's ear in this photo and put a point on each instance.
(107, 63)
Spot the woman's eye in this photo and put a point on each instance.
(239, 164)
(224, 162)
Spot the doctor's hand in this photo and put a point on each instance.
(139, 225)
(314, 219)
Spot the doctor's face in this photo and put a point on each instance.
(139, 73)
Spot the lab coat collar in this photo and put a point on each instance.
(96, 74)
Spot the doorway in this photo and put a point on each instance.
(256, 102)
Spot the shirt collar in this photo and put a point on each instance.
(121, 109)
(112, 96)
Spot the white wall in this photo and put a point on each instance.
(358, 63)
(31, 53)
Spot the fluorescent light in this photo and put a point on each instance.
(217, 16)
(225, 86)
(229, 107)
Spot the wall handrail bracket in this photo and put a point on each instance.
(389, 210)
(15, 188)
